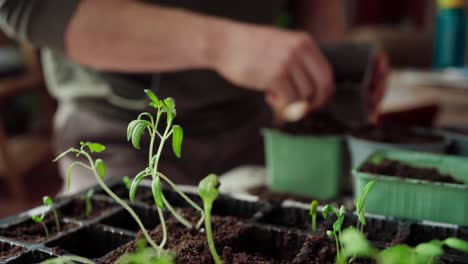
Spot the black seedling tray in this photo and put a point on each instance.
(96, 237)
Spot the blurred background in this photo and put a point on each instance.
(418, 86)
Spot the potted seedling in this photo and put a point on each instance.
(416, 186)
(364, 141)
(49, 204)
(305, 158)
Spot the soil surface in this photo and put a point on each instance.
(32, 232)
(396, 135)
(315, 124)
(7, 251)
(76, 209)
(238, 242)
(397, 169)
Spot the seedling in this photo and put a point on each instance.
(145, 254)
(68, 260)
(313, 214)
(208, 190)
(355, 244)
(127, 182)
(337, 225)
(40, 220)
(147, 122)
(50, 204)
(89, 202)
(360, 204)
(98, 168)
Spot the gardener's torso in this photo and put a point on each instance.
(201, 95)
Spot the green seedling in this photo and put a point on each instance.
(360, 204)
(355, 244)
(313, 214)
(151, 123)
(145, 254)
(98, 168)
(89, 202)
(337, 225)
(208, 190)
(68, 260)
(50, 204)
(40, 220)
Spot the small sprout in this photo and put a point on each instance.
(40, 220)
(360, 204)
(208, 190)
(313, 213)
(145, 254)
(127, 182)
(88, 202)
(337, 225)
(50, 204)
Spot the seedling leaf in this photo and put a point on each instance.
(356, 244)
(177, 139)
(96, 147)
(457, 244)
(47, 201)
(328, 209)
(36, 219)
(208, 188)
(157, 192)
(136, 181)
(101, 168)
(131, 128)
(137, 132)
(151, 96)
(313, 207)
(127, 182)
(429, 250)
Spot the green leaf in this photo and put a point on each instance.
(69, 174)
(96, 147)
(330, 233)
(47, 201)
(170, 103)
(131, 128)
(395, 255)
(338, 224)
(127, 182)
(137, 132)
(429, 250)
(356, 244)
(136, 181)
(313, 207)
(101, 168)
(328, 209)
(208, 189)
(456, 243)
(157, 192)
(177, 139)
(151, 96)
(36, 219)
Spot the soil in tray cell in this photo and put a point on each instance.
(29, 231)
(75, 209)
(31, 257)
(395, 168)
(239, 242)
(315, 124)
(395, 135)
(8, 251)
(91, 242)
(122, 219)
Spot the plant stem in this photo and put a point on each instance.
(122, 203)
(337, 246)
(56, 218)
(46, 230)
(164, 228)
(186, 198)
(209, 234)
(180, 218)
(314, 223)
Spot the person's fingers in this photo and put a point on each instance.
(304, 84)
(281, 93)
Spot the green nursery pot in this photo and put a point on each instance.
(419, 199)
(303, 164)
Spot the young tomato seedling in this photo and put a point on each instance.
(360, 204)
(145, 254)
(337, 225)
(98, 169)
(40, 220)
(89, 202)
(208, 190)
(148, 122)
(49, 203)
(313, 214)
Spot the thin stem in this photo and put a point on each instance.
(180, 218)
(164, 228)
(56, 218)
(46, 230)
(337, 246)
(186, 198)
(122, 203)
(314, 222)
(209, 234)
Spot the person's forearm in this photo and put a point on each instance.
(132, 36)
(324, 19)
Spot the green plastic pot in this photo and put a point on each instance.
(361, 149)
(303, 164)
(419, 199)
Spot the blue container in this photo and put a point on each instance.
(449, 46)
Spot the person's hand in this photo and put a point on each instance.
(378, 84)
(286, 65)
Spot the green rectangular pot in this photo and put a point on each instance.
(418, 199)
(303, 164)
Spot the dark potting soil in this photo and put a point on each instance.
(397, 169)
(238, 242)
(76, 209)
(32, 232)
(396, 135)
(315, 124)
(7, 251)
